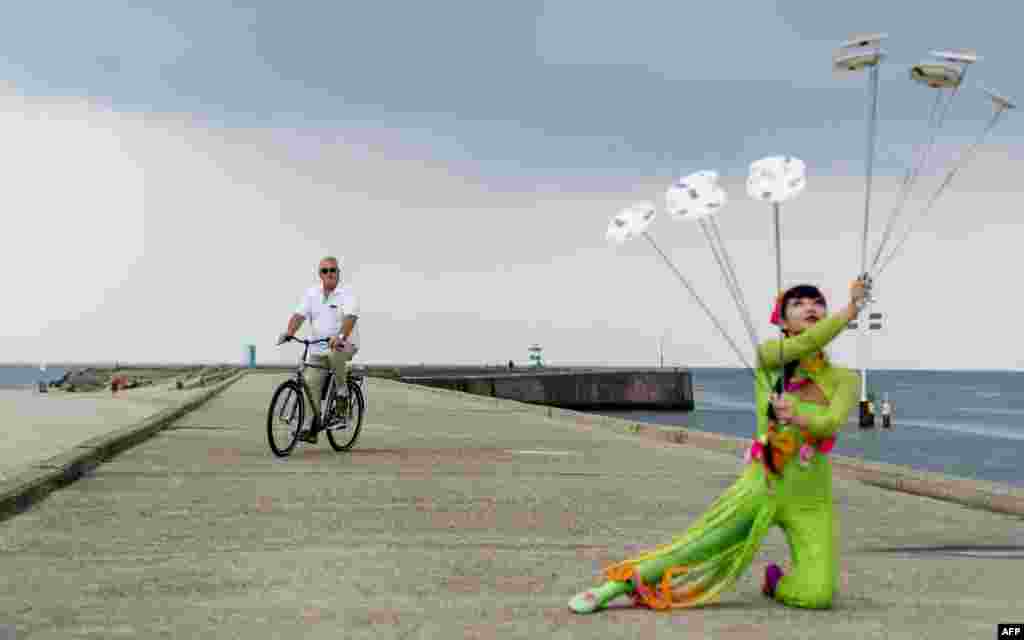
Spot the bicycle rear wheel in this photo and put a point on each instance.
(342, 439)
(285, 418)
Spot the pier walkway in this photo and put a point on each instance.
(454, 517)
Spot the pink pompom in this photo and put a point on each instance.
(806, 451)
(826, 445)
(754, 452)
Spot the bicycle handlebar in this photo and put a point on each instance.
(306, 342)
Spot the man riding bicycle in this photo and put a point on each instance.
(333, 312)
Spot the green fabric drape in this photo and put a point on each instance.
(717, 549)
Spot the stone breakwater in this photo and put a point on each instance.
(88, 379)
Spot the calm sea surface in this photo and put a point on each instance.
(15, 377)
(963, 423)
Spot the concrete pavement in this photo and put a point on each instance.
(40, 426)
(454, 517)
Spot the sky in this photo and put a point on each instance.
(174, 173)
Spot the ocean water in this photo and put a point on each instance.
(26, 377)
(962, 423)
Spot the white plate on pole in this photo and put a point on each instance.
(962, 56)
(857, 59)
(937, 75)
(1000, 101)
(864, 40)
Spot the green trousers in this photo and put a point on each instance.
(338, 361)
(722, 544)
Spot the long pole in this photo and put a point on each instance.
(968, 155)
(872, 126)
(731, 282)
(778, 281)
(697, 298)
(868, 173)
(864, 362)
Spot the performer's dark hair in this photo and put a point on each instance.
(798, 292)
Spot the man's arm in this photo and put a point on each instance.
(303, 309)
(347, 325)
(351, 309)
(295, 323)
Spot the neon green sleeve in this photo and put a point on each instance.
(803, 345)
(824, 425)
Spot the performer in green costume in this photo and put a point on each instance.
(787, 482)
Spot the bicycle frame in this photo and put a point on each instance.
(332, 380)
(288, 406)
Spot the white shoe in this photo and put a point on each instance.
(585, 602)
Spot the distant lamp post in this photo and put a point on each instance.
(867, 418)
(42, 377)
(535, 358)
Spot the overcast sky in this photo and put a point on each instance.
(172, 175)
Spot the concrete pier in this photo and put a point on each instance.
(455, 516)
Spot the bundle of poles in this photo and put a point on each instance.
(779, 179)
(944, 73)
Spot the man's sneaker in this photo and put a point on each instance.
(310, 435)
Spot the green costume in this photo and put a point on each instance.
(719, 547)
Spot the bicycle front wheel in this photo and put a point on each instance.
(285, 418)
(343, 438)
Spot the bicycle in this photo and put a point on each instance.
(288, 407)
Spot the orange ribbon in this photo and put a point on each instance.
(784, 445)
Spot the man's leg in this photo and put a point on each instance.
(316, 387)
(340, 364)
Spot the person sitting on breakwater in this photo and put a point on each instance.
(787, 481)
(333, 312)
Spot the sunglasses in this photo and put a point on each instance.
(326, 271)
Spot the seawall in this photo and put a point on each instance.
(581, 388)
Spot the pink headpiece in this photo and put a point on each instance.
(776, 318)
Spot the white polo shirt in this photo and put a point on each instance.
(325, 313)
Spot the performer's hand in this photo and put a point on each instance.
(858, 291)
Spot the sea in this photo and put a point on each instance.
(961, 423)
(27, 377)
